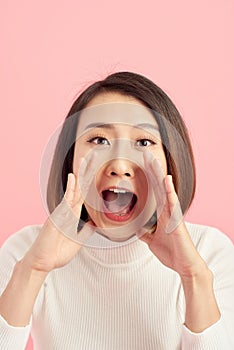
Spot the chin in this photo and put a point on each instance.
(118, 231)
(114, 238)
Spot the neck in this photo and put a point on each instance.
(111, 252)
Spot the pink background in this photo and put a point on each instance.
(50, 50)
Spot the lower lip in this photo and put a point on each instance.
(118, 218)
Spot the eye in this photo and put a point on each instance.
(98, 140)
(145, 143)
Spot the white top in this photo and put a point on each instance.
(120, 298)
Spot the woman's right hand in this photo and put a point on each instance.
(52, 249)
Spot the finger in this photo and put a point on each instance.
(81, 175)
(155, 176)
(77, 190)
(148, 160)
(64, 219)
(66, 216)
(174, 208)
(159, 189)
(70, 188)
(168, 205)
(171, 193)
(84, 179)
(155, 172)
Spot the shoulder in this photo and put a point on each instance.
(19, 242)
(14, 249)
(202, 233)
(213, 245)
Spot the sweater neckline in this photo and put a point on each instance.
(108, 252)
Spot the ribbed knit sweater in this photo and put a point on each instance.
(120, 298)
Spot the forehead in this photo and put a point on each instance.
(115, 109)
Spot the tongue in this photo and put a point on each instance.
(118, 202)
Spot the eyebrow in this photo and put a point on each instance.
(99, 125)
(111, 126)
(147, 126)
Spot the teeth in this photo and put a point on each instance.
(120, 214)
(117, 190)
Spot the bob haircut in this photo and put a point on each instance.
(178, 150)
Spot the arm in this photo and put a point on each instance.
(50, 250)
(218, 252)
(13, 337)
(201, 307)
(17, 300)
(172, 245)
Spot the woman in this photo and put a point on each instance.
(115, 266)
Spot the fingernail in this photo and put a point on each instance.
(169, 183)
(70, 177)
(170, 179)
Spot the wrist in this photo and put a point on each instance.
(25, 267)
(201, 307)
(201, 275)
(18, 299)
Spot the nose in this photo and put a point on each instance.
(120, 167)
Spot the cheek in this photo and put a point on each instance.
(159, 154)
(164, 165)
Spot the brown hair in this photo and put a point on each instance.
(174, 134)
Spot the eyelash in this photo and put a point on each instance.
(143, 138)
(152, 140)
(91, 139)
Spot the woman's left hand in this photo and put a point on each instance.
(170, 242)
(172, 245)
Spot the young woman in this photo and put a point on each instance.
(115, 266)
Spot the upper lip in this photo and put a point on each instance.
(119, 188)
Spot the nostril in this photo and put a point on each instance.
(113, 173)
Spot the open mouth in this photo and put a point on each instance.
(118, 203)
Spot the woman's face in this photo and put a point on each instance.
(118, 129)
